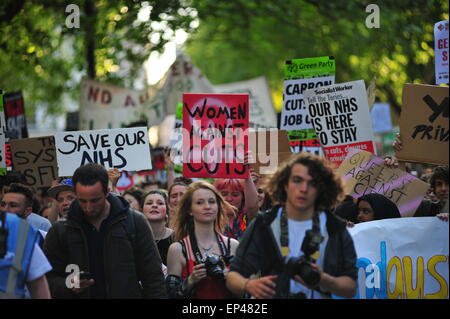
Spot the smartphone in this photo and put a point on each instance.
(84, 275)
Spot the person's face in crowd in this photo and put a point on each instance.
(134, 204)
(204, 206)
(233, 197)
(441, 190)
(365, 212)
(301, 189)
(64, 200)
(15, 203)
(261, 196)
(92, 199)
(175, 196)
(154, 208)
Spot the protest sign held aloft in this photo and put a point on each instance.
(16, 123)
(340, 116)
(35, 158)
(215, 132)
(300, 75)
(424, 124)
(363, 173)
(270, 148)
(441, 51)
(126, 149)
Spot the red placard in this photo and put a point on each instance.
(215, 134)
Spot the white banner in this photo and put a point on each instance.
(105, 106)
(404, 258)
(182, 77)
(262, 113)
(126, 149)
(441, 51)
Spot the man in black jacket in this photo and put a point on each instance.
(104, 249)
(298, 249)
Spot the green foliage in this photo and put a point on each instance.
(240, 39)
(40, 55)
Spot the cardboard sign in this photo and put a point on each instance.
(126, 149)
(381, 118)
(441, 51)
(214, 135)
(424, 126)
(404, 258)
(363, 173)
(341, 119)
(270, 148)
(262, 113)
(108, 106)
(16, 123)
(35, 158)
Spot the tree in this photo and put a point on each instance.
(240, 39)
(45, 58)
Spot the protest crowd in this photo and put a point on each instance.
(91, 220)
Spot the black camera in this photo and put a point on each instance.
(302, 265)
(214, 267)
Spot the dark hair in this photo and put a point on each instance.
(328, 184)
(90, 174)
(159, 192)
(439, 172)
(382, 206)
(176, 184)
(184, 180)
(136, 193)
(24, 190)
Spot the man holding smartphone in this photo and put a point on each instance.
(104, 237)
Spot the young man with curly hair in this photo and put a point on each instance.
(306, 188)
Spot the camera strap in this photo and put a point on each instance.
(198, 255)
(284, 233)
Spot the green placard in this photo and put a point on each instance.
(309, 68)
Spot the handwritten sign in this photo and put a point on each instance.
(424, 126)
(16, 123)
(363, 173)
(35, 158)
(441, 51)
(341, 118)
(108, 106)
(126, 149)
(215, 132)
(402, 258)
